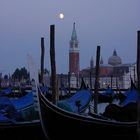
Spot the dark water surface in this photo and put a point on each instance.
(36, 133)
(33, 132)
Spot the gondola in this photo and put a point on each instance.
(126, 110)
(79, 101)
(58, 123)
(18, 119)
(106, 96)
(17, 109)
(13, 92)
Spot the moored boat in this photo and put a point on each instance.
(126, 110)
(58, 123)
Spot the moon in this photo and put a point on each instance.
(61, 16)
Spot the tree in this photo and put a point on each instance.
(20, 74)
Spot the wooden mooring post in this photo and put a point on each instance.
(96, 86)
(69, 75)
(53, 65)
(138, 83)
(42, 61)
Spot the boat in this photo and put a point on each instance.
(79, 101)
(13, 92)
(126, 110)
(123, 95)
(108, 95)
(58, 123)
(76, 103)
(25, 106)
(18, 109)
(17, 120)
(7, 109)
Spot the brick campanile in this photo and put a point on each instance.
(74, 53)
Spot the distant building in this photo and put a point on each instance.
(114, 60)
(74, 53)
(114, 73)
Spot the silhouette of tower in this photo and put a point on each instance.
(74, 53)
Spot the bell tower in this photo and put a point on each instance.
(74, 53)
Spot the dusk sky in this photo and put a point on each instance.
(111, 24)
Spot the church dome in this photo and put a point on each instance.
(114, 59)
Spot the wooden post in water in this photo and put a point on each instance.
(138, 83)
(53, 65)
(61, 82)
(111, 81)
(42, 61)
(134, 75)
(90, 78)
(77, 80)
(69, 82)
(0, 79)
(96, 86)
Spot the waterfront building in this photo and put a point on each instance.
(113, 73)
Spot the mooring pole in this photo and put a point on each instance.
(97, 80)
(53, 65)
(138, 83)
(42, 61)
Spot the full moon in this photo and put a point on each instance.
(61, 15)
